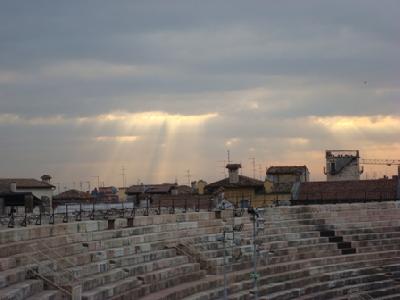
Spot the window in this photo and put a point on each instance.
(333, 168)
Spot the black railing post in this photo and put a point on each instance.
(39, 218)
(93, 210)
(185, 208)
(197, 208)
(172, 211)
(146, 212)
(24, 221)
(78, 215)
(133, 212)
(65, 219)
(51, 219)
(11, 222)
(159, 207)
(209, 205)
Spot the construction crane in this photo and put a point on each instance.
(387, 162)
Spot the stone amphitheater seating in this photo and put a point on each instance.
(346, 251)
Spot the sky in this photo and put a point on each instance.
(163, 87)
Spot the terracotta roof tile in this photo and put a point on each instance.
(352, 189)
(244, 181)
(23, 183)
(286, 170)
(73, 195)
(151, 188)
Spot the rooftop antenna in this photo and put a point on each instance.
(223, 166)
(81, 185)
(229, 156)
(123, 177)
(58, 188)
(98, 180)
(188, 176)
(253, 159)
(260, 171)
(88, 184)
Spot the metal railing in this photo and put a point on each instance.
(103, 211)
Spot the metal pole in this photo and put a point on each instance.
(255, 259)
(225, 278)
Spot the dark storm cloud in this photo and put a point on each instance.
(265, 67)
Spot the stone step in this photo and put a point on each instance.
(156, 265)
(298, 278)
(309, 241)
(91, 282)
(47, 295)
(395, 296)
(142, 257)
(305, 288)
(21, 290)
(164, 274)
(122, 261)
(289, 236)
(377, 248)
(7, 263)
(283, 273)
(110, 290)
(305, 249)
(229, 251)
(371, 236)
(381, 229)
(22, 234)
(12, 276)
(186, 289)
(343, 289)
(347, 251)
(367, 243)
(383, 293)
(335, 239)
(152, 289)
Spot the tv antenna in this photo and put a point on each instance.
(188, 176)
(253, 159)
(123, 177)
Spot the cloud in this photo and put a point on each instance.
(144, 119)
(359, 124)
(120, 139)
(177, 83)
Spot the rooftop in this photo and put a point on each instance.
(350, 189)
(280, 170)
(162, 188)
(23, 183)
(73, 195)
(244, 181)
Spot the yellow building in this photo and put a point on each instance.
(237, 189)
(279, 184)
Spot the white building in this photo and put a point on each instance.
(26, 192)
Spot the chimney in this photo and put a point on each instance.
(46, 178)
(13, 187)
(233, 170)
